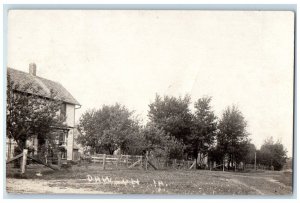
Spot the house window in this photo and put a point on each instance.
(63, 109)
(61, 138)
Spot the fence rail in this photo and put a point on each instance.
(176, 164)
(133, 161)
(147, 162)
(129, 161)
(258, 166)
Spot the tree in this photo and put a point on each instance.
(108, 128)
(137, 144)
(204, 128)
(216, 155)
(160, 143)
(272, 154)
(246, 152)
(232, 134)
(28, 114)
(172, 115)
(155, 137)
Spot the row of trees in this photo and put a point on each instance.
(173, 131)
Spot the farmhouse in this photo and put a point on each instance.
(68, 108)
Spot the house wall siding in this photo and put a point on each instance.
(70, 121)
(70, 114)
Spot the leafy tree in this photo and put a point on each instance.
(215, 155)
(135, 143)
(272, 154)
(232, 134)
(176, 148)
(28, 114)
(203, 129)
(246, 152)
(161, 144)
(155, 137)
(108, 128)
(172, 115)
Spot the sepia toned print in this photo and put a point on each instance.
(150, 102)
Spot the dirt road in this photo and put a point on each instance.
(75, 181)
(37, 186)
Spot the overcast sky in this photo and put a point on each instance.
(103, 57)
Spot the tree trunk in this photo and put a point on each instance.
(9, 149)
(196, 154)
(197, 159)
(223, 164)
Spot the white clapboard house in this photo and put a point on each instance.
(68, 109)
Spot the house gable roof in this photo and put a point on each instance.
(22, 78)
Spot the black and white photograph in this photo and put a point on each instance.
(152, 102)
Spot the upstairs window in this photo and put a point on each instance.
(63, 109)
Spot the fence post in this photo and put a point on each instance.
(127, 161)
(104, 160)
(24, 161)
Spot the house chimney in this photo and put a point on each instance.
(32, 69)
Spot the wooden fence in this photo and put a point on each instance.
(131, 161)
(24, 160)
(176, 164)
(258, 167)
(117, 161)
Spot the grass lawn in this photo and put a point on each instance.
(92, 179)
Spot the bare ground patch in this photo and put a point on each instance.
(37, 186)
(77, 180)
